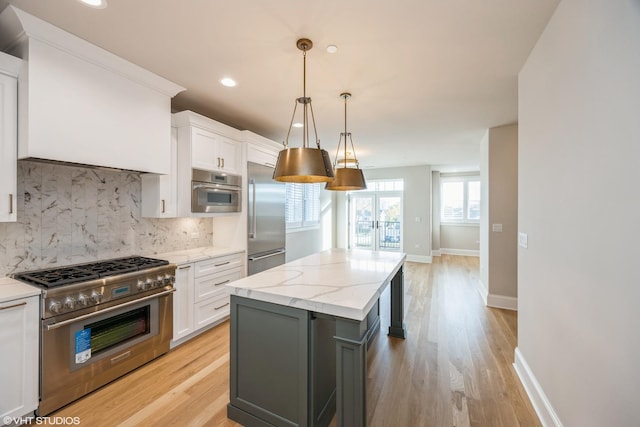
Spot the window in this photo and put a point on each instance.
(383, 185)
(302, 208)
(460, 199)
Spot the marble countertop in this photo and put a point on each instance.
(11, 289)
(197, 254)
(338, 282)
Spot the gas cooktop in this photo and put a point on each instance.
(60, 276)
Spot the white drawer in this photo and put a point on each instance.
(211, 310)
(217, 264)
(212, 284)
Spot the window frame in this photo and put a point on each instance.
(465, 180)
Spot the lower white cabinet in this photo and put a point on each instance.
(201, 298)
(19, 321)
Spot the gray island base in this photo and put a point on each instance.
(298, 361)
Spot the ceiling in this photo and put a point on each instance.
(427, 77)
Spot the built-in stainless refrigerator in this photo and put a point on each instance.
(266, 222)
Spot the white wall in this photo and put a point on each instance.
(579, 198)
(302, 243)
(499, 183)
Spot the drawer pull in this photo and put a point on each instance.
(184, 267)
(222, 306)
(222, 283)
(224, 263)
(13, 306)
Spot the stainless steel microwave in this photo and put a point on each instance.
(213, 192)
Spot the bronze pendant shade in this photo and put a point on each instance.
(347, 179)
(304, 164)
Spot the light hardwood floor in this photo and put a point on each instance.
(454, 368)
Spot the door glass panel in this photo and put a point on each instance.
(389, 217)
(362, 222)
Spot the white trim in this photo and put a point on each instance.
(462, 252)
(482, 289)
(20, 24)
(419, 258)
(539, 400)
(435, 252)
(501, 301)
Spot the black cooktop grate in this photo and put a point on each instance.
(60, 276)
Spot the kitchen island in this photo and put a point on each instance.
(299, 337)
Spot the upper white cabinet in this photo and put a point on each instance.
(159, 192)
(260, 149)
(206, 144)
(9, 69)
(82, 104)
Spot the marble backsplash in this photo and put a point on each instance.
(69, 215)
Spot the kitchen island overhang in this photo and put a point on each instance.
(299, 335)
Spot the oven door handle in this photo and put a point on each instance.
(107, 310)
(215, 187)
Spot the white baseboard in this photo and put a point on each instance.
(420, 258)
(501, 301)
(482, 289)
(539, 400)
(463, 252)
(435, 252)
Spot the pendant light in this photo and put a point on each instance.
(304, 164)
(347, 178)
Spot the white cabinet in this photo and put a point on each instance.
(9, 68)
(82, 104)
(213, 152)
(19, 320)
(159, 192)
(260, 149)
(208, 145)
(183, 302)
(201, 298)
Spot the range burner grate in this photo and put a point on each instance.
(54, 277)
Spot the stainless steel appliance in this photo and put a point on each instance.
(266, 221)
(99, 321)
(215, 192)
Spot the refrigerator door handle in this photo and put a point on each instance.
(252, 233)
(257, 258)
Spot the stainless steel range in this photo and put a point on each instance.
(100, 320)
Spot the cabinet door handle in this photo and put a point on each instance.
(219, 162)
(221, 264)
(13, 306)
(184, 267)
(223, 162)
(163, 207)
(222, 306)
(222, 283)
(10, 203)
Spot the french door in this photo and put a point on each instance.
(375, 221)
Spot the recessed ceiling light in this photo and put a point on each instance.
(332, 48)
(297, 125)
(97, 4)
(228, 82)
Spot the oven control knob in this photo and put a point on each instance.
(70, 303)
(83, 299)
(55, 306)
(169, 279)
(160, 280)
(96, 297)
(149, 283)
(140, 285)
